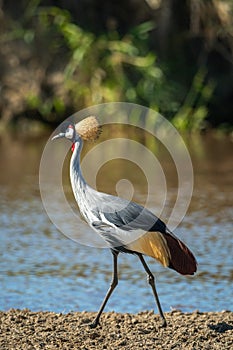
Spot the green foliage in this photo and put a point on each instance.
(109, 68)
(105, 68)
(192, 114)
(47, 107)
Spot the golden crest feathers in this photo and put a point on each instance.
(89, 128)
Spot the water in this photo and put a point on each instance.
(41, 269)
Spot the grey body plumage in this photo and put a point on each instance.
(125, 226)
(107, 214)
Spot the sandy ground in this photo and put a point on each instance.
(23, 329)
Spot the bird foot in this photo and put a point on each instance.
(94, 324)
(164, 323)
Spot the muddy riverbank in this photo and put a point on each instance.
(23, 329)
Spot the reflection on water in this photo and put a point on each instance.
(43, 270)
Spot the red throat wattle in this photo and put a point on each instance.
(72, 147)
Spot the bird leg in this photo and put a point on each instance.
(151, 281)
(110, 290)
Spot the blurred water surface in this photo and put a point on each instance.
(42, 269)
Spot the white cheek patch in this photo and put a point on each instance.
(69, 133)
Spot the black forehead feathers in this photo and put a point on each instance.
(65, 125)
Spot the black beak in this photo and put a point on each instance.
(58, 136)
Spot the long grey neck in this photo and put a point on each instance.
(77, 181)
(83, 193)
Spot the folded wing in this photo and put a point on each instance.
(122, 219)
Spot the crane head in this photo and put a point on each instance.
(87, 129)
(68, 132)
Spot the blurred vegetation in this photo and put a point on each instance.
(60, 65)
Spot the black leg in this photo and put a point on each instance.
(151, 281)
(109, 292)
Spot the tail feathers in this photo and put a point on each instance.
(167, 249)
(181, 258)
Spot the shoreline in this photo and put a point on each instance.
(24, 329)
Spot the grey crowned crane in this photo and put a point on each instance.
(127, 227)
